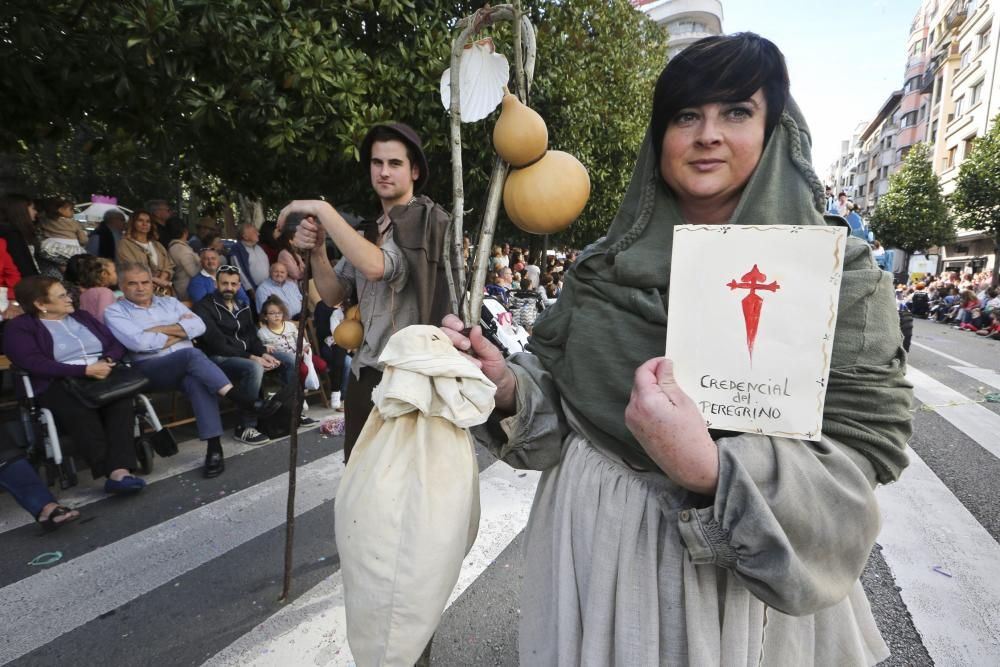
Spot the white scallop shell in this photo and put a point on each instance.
(483, 74)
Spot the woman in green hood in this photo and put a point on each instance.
(654, 540)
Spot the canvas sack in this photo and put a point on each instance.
(407, 509)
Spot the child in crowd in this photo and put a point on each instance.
(97, 278)
(277, 332)
(62, 237)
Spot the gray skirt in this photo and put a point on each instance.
(608, 581)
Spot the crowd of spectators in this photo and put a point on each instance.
(186, 312)
(526, 284)
(967, 301)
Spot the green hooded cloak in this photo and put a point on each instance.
(612, 313)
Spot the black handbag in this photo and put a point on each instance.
(123, 381)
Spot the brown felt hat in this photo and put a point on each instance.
(408, 136)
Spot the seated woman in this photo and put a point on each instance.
(97, 277)
(53, 341)
(139, 245)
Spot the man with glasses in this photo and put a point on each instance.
(230, 340)
(157, 331)
(203, 284)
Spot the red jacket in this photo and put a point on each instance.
(9, 275)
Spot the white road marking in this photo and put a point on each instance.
(977, 422)
(190, 456)
(984, 375)
(312, 630)
(80, 590)
(926, 526)
(940, 353)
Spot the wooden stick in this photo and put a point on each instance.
(293, 432)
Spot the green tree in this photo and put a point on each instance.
(976, 200)
(271, 98)
(913, 214)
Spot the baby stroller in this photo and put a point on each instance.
(500, 329)
(45, 444)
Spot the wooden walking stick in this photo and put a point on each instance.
(293, 427)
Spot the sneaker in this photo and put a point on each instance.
(306, 420)
(251, 436)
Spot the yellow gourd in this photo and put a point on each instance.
(349, 334)
(547, 196)
(520, 136)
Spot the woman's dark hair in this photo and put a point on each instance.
(728, 68)
(14, 215)
(273, 300)
(32, 289)
(173, 229)
(152, 236)
(75, 266)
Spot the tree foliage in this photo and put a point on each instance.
(272, 97)
(913, 215)
(976, 200)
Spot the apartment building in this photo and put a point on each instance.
(878, 147)
(963, 86)
(686, 21)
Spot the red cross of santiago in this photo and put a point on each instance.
(752, 303)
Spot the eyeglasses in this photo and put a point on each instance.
(228, 268)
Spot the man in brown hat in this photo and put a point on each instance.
(394, 271)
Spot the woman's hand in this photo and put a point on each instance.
(487, 357)
(100, 369)
(668, 425)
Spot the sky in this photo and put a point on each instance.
(844, 58)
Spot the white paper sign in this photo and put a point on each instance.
(752, 314)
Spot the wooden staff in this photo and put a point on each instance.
(293, 428)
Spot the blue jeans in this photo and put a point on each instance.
(200, 379)
(19, 478)
(247, 375)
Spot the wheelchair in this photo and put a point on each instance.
(45, 443)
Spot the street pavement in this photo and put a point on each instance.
(189, 571)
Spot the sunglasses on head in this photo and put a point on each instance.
(227, 268)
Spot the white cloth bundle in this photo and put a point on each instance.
(407, 510)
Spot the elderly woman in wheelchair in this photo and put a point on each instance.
(52, 342)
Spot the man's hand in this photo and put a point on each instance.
(487, 357)
(175, 330)
(309, 234)
(668, 425)
(172, 340)
(271, 362)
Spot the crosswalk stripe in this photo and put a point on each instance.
(190, 456)
(40, 608)
(956, 607)
(313, 628)
(984, 375)
(961, 362)
(977, 422)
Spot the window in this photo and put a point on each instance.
(966, 58)
(949, 160)
(970, 143)
(911, 85)
(983, 39)
(909, 119)
(861, 191)
(977, 93)
(959, 107)
(923, 111)
(903, 151)
(934, 128)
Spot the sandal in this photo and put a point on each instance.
(62, 513)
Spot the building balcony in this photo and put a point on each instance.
(957, 13)
(708, 12)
